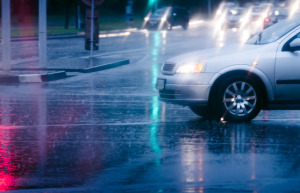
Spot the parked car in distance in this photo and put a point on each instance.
(167, 17)
(275, 16)
(237, 81)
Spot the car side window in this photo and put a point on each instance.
(287, 48)
(176, 12)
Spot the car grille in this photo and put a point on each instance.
(168, 67)
(168, 94)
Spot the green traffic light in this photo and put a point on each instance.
(151, 2)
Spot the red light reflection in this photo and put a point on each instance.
(6, 165)
(5, 182)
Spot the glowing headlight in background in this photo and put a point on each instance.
(233, 12)
(190, 68)
(146, 19)
(163, 19)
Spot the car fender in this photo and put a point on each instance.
(257, 72)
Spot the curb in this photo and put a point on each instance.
(105, 66)
(32, 77)
(9, 79)
(95, 68)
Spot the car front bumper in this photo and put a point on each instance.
(233, 24)
(184, 89)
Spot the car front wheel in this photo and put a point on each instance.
(238, 99)
(185, 26)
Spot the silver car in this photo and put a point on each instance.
(237, 81)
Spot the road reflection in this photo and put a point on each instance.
(157, 47)
(194, 156)
(36, 155)
(234, 154)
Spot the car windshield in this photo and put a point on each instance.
(275, 32)
(233, 12)
(257, 9)
(160, 12)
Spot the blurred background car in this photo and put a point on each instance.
(167, 17)
(275, 16)
(223, 7)
(259, 13)
(233, 18)
(221, 14)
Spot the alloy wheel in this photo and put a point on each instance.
(240, 98)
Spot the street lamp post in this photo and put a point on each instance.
(92, 28)
(129, 13)
(6, 37)
(209, 8)
(43, 32)
(153, 3)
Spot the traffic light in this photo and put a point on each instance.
(152, 3)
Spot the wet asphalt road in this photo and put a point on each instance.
(108, 132)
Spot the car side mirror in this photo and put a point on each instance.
(295, 43)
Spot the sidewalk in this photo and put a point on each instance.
(71, 35)
(32, 71)
(57, 69)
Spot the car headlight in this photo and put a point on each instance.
(190, 68)
(146, 18)
(163, 19)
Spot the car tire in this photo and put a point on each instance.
(238, 99)
(165, 26)
(185, 26)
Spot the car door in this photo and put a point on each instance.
(287, 70)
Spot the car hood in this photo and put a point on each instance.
(233, 18)
(155, 18)
(203, 55)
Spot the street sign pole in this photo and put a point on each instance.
(6, 37)
(209, 8)
(43, 32)
(92, 28)
(78, 17)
